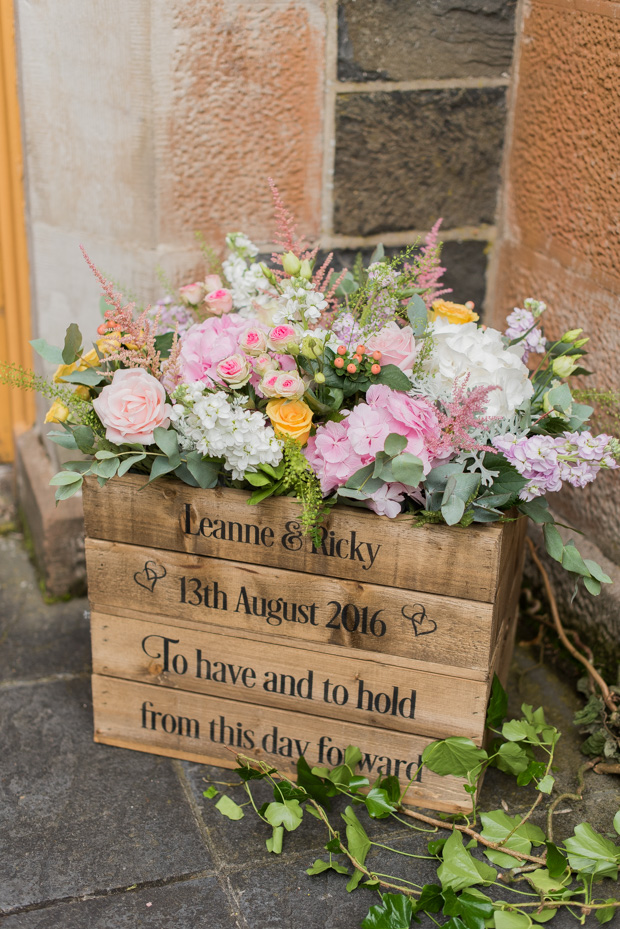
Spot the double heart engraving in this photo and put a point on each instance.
(421, 623)
(150, 574)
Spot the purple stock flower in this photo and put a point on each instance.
(519, 322)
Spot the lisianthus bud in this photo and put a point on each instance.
(571, 335)
(311, 347)
(580, 342)
(306, 270)
(192, 294)
(253, 341)
(235, 370)
(319, 377)
(268, 273)
(564, 366)
(219, 302)
(291, 264)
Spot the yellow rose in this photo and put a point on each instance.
(82, 392)
(109, 343)
(456, 313)
(89, 360)
(63, 371)
(291, 417)
(58, 412)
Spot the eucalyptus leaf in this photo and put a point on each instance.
(85, 438)
(162, 466)
(128, 462)
(64, 439)
(167, 441)
(67, 490)
(572, 561)
(394, 444)
(88, 377)
(407, 469)
(65, 477)
(48, 352)
(417, 314)
(73, 343)
(553, 541)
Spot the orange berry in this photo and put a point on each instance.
(357, 357)
(342, 349)
(376, 356)
(338, 363)
(375, 369)
(360, 349)
(351, 368)
(108, 314)
(102, 329)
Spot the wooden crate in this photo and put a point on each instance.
(218, 627)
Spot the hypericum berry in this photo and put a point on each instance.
(338, 363)
(102, 329)
(342, 349)
(351, 368)
(376, 356)
(357, 357)
(361, 349)
(108, 314)
(375, 369)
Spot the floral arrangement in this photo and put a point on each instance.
(366, 387)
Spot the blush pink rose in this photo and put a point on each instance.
(253, 341)
(282, 336)
(289, 385)
(263, 363)
(213, 282)
(397, 346)
(235, 370)
(205, 344)
(268, 385)
(132, 407)
(192, 294)
(219, 302)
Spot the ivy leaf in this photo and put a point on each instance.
(497, 825)
(48, 352)
(314, 785)
(229, 808)
(430, 900)
(606, 912)
(456, 755)
(391, 785)
(498, 704)
(617, 822)
(435, 846)
(73, 343)
(354, 880)
(357, 841)
(592, 853)
(395, 912)
(545, 785)
(556, 862)
(288, 814)
(274, 844)
(210, 792)
(541, 880)
(352, 756)
(319, 866)
(377, 803)
(284, 790)
(512, 758)
(508, 919)
(459, 869)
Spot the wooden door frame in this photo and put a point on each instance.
(17, 409)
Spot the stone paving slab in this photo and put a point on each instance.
(191, 904)
(76, 817)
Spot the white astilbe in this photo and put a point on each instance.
(217, 425)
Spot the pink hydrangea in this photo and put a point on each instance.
(331, 455)
(415, 419)
(206, 344)
(368, 427)
(386, 501)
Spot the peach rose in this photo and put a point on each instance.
(132, 406)
(291, 418)
(455, 313)
(397, 346)
(219, 302)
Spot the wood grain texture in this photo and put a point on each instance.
(366, 689)
(180, 587)
(358, 545)
(211, 730)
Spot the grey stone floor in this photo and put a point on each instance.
(95, 837)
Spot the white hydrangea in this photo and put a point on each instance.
(299, 301)
(217, 425)
(481, 353)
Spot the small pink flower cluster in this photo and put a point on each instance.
(216, 298)
(338, 450)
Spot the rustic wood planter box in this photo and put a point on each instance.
(218, 628)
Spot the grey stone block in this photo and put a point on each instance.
(79, 818)
(38, 639)
(184, 905)
(405, 158)
(402, 40)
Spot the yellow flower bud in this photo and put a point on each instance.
(291, 264)
(58, 412)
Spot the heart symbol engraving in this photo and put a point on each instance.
(150, 574)
(421, 623)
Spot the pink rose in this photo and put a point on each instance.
(268, 385)
(132, 407)
(213, 282)
(264, 363)
(397, 346)
(205, 344)
(281, 337)
(253, 341)
(192, 294)
(219, 302)
(235, 370)
(289, 385)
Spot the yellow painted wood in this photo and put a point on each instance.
(17, 411)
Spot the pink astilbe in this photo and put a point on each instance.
(286, 228)
(462, 413)
(137, 348)
(428, 269)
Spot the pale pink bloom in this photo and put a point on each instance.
(205, 344)
(289, 385)
(235, 370)
(132, 407)
(219, 302)
(286, 362)
(268, 385)
(331, 456)
(263, 363)
(253, 341)
(415, 419)
(192, 294)
(368, 428)
(282, 336)
(386, 501)
(397, 346)
(213, 282)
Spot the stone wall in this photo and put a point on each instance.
(559, 236)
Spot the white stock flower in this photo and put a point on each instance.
(481, 353)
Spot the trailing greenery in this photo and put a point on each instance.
(562, 876)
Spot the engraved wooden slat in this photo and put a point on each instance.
(211, 730)
(358, 545)
(366, 689)
(419, 626)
